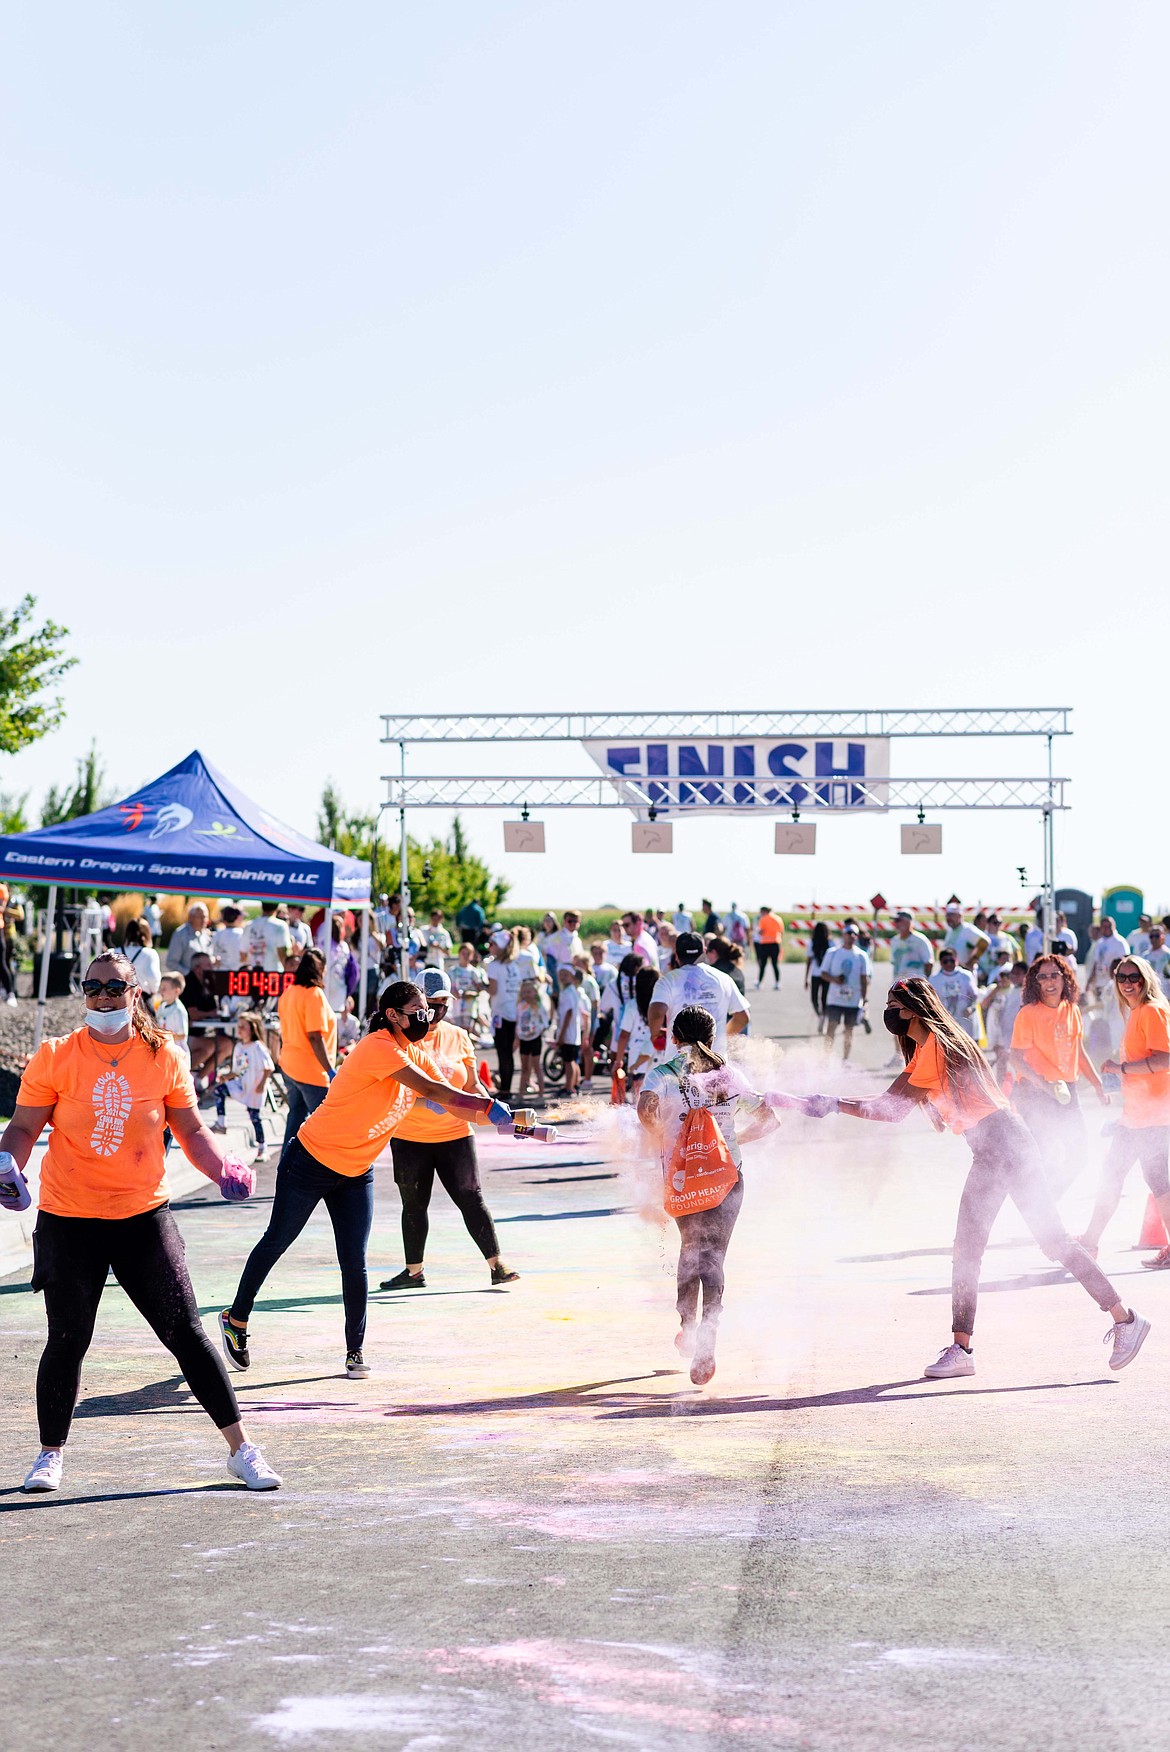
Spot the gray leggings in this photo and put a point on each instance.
(1006, 1164)
(1147, 1144)
(705, 1236)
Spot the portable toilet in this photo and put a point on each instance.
(1077, 907)
(1125, 907)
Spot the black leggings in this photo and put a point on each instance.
(765, 953)
(302, 1183)
(819, 992)
(7, 982)
(705, 1236)
(71, 1256)
(1006, 1164)
(415, 1167)
(505, 1038)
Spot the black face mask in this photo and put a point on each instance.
(895, 1022)
(416, 1025)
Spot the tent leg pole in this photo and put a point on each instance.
(403, 883)
(46, 952)
(364, 961)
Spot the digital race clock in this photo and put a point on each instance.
(248, 982)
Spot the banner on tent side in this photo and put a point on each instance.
(652, 836)
(796, 838)
(524, 836)
(921, 836)
(795, 773)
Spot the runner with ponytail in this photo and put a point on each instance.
(948, 1075)
(332, 1157)
(696, 1077)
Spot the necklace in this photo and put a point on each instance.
(122, 1048)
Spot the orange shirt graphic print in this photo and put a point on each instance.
(111, 1109)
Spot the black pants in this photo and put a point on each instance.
(705, 1236)
(505, 1038)
(1006, 1164)
(303, 1099)
(71, 1256)
(302, 1183)
(1059, 1131)
(765, 953)
(415, 1168)
(819, 992)
(7, 980)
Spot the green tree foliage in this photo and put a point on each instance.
(31, 660)
(89, 794)
(441, 873)
(12, 812)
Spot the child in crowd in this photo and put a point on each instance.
(531, 1022)
(251, 1068)
(171, 1013)
(588, 999)
(569, 1026)
(348, 1029)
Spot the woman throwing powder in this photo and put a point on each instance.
(332, 1157)
(107, 1092)
(946, 1072)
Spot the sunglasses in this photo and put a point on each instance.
(93, 988)
(1129, 979)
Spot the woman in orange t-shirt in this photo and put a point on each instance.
(1143, 1132)
(108, 1091)
(946, 1072)
(308, 1041)
(1048, 1057)
(332, 1159)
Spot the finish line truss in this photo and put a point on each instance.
(703, 726)
(752, 796)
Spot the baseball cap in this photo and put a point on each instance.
(435, 984)
(688, 946)
(903, 914)
(501, 939)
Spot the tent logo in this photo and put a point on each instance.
(172, 818)
(132, 814)
(222, 830)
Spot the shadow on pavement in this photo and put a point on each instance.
(569, 1179)
(1038, 1280)
(924, 1253)
(53, 1500)
(567, 1216)
(685, 1406)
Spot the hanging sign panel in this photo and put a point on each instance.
(652, 836)
(921, 837)
(750, 776)
(524, 836)
(796, 838)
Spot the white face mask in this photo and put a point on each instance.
(108, 1021)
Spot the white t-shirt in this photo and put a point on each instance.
(615, 953)
(227, 946)
(531, 1019)
(958, 993)
(1104, 955)
(644, 946)
(436, 941)
(336, 967)
(147, 967)
(262, 938)
(250, 1060)
(665, 1081)
(173, 1017)
(569, 1005)
(507, 978)
(852, 963)
(911, 956)
(604, 974)
(703, 985)
(637, 1027)
(1139, 944)
(1159, 960)
(682, 921)
(964, 940)
(299, 935)
(562, 945)
(530, 961)
(997, 942)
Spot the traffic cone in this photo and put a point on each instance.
(617, 1088)
(1153, 1229)
(485, 1075)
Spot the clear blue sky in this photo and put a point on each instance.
(548, 356)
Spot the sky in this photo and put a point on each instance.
(542, 357)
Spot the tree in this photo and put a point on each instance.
(441, 873)
(86, 797)
(31, 660)
(12, 816)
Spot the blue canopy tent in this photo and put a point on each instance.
(188, 832)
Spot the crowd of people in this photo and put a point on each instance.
(660, 999)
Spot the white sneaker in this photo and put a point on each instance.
(1127, 1337)
(251, 1468)
(952, 1361)
(219, 1128)
(11, 1000)
(261, 1154)
(46, 1471)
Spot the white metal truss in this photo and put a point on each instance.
(751, 796)
(588, 726)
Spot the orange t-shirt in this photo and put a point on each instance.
(105, 1154)
(958, 1108)
(1146, 1098)
(1049, 1036)
(451, 1050)
(305, 1010)
(769, 928)
(365, 1103)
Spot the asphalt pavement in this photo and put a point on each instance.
(528, 1526)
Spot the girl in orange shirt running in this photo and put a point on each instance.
(1048, 1056)
(332, 1158)
(946, 1072)
(108, 1091)
(1143, 1134)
